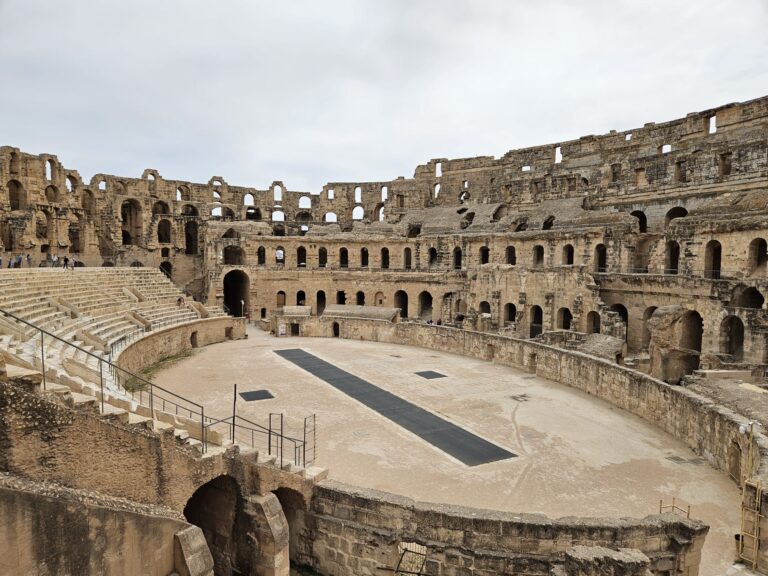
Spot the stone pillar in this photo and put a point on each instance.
(269, 533)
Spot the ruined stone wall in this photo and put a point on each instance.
(357, 532)
(52, 530)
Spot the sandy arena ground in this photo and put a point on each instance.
(576, 455)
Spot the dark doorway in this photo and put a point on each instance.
(320, 303)
(537, 321)
(236, 289)
(335, 329)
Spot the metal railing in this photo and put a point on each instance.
(155, 397)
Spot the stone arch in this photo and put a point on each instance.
(691, 331)
(425, 306)
(301, 256)
(536, 321)
(343, 258)
(401, 302)
(17, 196)
(360, 298)
(322, 257)
(746, 297)
(234, 256)
(757, 255)
(672, 257)
(713, 253)
(190, 210)
(642, 220)
(732, 337)
(130, 215)
(511, 255)
(407, 258)
(485, 255)
(160, 208)
(676, 212)
(593, 322)
(52, 194)
(252, 213)
(214, 507)
(358, 213)
(457, 264)
(87, 202)
(510, 312)
(280, 299)
(564, 319)
(296, 511)
(301, 298)
(567, 256)
(190, 238)
(320, 302)
(646, 329)
(164, 231)
(385, 258)
(485, 307)
(548, 223)
(236, 292)
(601, 258)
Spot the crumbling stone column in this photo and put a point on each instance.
(269, 535)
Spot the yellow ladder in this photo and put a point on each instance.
(750, 525)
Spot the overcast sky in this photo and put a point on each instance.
(310, 91)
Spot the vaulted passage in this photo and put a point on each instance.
(462, 445)
(236, 284)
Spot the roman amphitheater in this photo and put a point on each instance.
(551, 363)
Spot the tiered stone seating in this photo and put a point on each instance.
(98, 310)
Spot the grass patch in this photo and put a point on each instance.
(135, 385)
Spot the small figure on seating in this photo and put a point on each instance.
(180, 302)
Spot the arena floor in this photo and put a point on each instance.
(575, 455)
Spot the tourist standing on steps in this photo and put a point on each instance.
(66, 262)
(29, 261)
(19, 259)
(55, 260)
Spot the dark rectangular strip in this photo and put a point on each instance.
(459, 443)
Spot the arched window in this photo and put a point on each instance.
(642, 220)
(87, 202)
(322, 257)
(358, 195)
(343, 258)
(401, 302)
(485, 255)
(758, 255)
(732, 337)
(330, 217)
(425, 306)
(564, 318)
(747, 297)
(278, 193)
(536, 321)
(385, 258)
(51, 194)
(511, 256)
(305, 203)
(301, 256)
(457, 263)
(593, 323)
(567, 258)
(249, 200)
(432, 257)
(510, 313)
(130, 214)
(160, 208)
(261, 256)
(676, 212)
(384, 193)
(190, 238)
(364, 257)
(672, 258)
(437, 190)
(278, 216)
(360, 298)
(485, 307)
(252, 213)
(358, 213)
(601, 258)
(17, 195)
(407, 258)
(234, 256)
(164, 232)
(712, 259)
(538, 256)
(548, 223)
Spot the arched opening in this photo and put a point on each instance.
(167, 269)
(732, 337)
(485, 255)
(364, 257)
(74, 234)
(358, 213)
(301, 298)
(712, 259)
(601, 258)
(164, 232)
(623, 313)
(432, 256)
(360, 298)
(688, 356)
(87, 202)
(385, 258)
(510, 313)
(190, 237)
(407, 258)
(320, 302)
(457, 258)
(295, 511)
(538, 256)
(747, 297)
(676, 212)
(236, 292)
(231, 233)
(341, 297)
(672, 258)
(564, 319)
(401, 302)
(646, 329)
(234, 256)
(130, 214)
(261, 256)
(301, 256)
(322, 257)
(16, 195)
(593, 323)
(567, 258)
(642, 220)
(758, 255)
(485, 307)
(691, 332)
(252, 213)
(425, 306)
(511, 255)
(343, 258)
(51, 194)
(160, 208)
(214, 507)
(330, 217)
(336, 330)
(461, 310)
(378, 299)
(537, 321)
(189, 210)
(280, 299)
(548, 223)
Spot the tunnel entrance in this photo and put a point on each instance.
(236, 288)
(295, 510)
(214, 508)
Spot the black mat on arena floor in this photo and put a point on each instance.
(462, 445)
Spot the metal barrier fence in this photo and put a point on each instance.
(150, 395)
